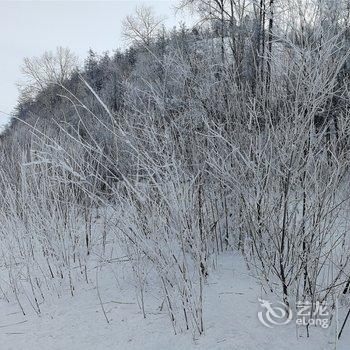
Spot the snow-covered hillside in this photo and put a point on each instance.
(190, 191)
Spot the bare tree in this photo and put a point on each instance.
(142, 27)
(50, 68)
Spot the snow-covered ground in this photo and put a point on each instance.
(230, 312)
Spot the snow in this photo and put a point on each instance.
(230, 313)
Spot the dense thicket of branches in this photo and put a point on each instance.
(231, 135)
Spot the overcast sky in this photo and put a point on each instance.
(28, 28)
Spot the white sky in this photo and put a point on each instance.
(28, 28)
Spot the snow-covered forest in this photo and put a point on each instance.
(143, 175)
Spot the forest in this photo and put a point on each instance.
(192, 143)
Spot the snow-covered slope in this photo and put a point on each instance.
(231, 306)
